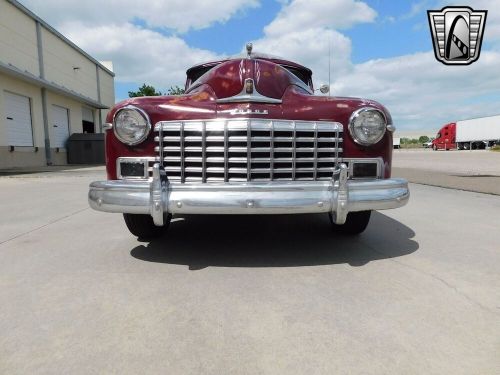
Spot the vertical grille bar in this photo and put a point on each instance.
(315, 161)
(294, 149)
(181, 141)
(226, 153)
(204, 152)
(271, 156)
(160, 144)
(337, 147)
(249, 150)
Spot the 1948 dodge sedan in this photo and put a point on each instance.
(248, 137)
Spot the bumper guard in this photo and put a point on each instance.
(158, 197)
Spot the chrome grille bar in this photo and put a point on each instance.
(249, 152)
(226, 153)
(232, 150)
(181, 150)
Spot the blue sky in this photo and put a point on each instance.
(402, 23)
(381, 49)
(396, 24)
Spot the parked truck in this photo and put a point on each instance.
(477, 133)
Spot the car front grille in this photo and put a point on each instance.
(238, 150)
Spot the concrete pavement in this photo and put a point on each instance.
(476, 170)
(418, 292)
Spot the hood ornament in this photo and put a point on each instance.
(249, 47)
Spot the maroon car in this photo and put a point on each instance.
(248, 137)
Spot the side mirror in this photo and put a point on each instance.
(324, 89)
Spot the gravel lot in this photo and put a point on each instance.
(418, 292)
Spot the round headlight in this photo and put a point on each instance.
(367, 126)
(131, 125)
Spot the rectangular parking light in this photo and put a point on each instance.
(364, 170)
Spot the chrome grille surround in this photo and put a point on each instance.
(248, 149)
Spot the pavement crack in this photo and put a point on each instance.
(43, 226)
(435, 277)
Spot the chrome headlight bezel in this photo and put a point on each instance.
(146, 130)
(352, 129)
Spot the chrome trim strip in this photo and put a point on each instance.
(181, 146)
(160, 146)
(226, 153)
(271, 152)
(249, 150)
(254, 97)
(315, 153)
(203, 152)
(107, 126)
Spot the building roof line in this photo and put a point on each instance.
(29, 13)
(31, 78)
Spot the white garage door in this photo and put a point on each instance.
(60, 126)
(18, 120)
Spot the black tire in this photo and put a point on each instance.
(355, 224)
(142, 226)
(434, 147)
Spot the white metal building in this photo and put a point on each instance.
(49, 89)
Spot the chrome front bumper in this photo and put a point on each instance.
(158, 197)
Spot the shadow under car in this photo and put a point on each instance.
(201, 241)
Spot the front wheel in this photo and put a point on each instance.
(355, 223)
(143, 226)
(434, 147)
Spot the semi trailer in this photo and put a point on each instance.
(477, 133)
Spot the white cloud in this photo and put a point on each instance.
(306, 14)
(310, 48)
(139, 55)
(304, 31)
(177, 15)
(415, 9)
(422, 93)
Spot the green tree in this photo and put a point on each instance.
(144, 90)
(175, 90)
(423, 139)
